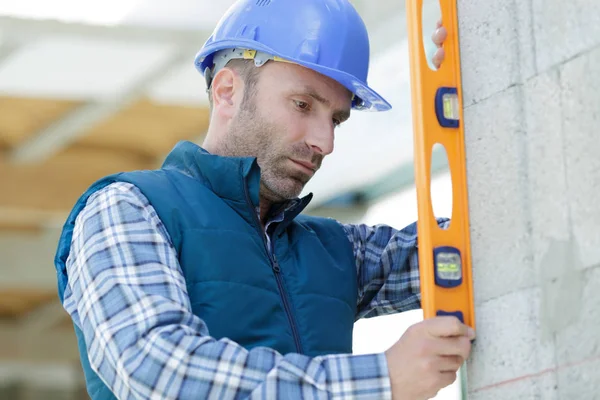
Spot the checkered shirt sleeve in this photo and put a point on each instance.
(128, 295)
(387, 268)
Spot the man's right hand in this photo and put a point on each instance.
(426, 358)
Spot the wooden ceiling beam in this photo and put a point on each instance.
(19, 344)
(19, 302)
(29, 219)
(55, 185)
(23, 116)
(62, 133)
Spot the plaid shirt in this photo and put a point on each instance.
(145, 343)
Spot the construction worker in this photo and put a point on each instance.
(203, 280)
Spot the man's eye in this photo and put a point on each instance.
(302, 104)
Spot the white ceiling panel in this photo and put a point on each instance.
(180, 14)
(106, 12)
(176, 14)
(74, 68)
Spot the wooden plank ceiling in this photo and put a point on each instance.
(138, 137)
(15, 303)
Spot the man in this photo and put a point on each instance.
(202, 279)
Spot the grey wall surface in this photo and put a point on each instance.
(531, 84)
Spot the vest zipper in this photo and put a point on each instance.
(286, 305)
(277, 272)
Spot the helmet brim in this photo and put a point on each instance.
(367, 98)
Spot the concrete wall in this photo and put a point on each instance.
(531, 82)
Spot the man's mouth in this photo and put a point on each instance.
(308, 167)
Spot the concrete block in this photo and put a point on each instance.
(547, 386)
(580, 381)
(508, 348)
(556, 255)
(496, 41)
(580, 340)
(564, 29)
(545, 159)
(523, 15)
(497, 173)
(548, 203)
(537, 387)
(580, 99)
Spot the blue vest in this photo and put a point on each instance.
(298, 296)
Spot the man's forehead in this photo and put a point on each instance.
(304, 78)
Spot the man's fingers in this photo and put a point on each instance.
(447, 378)
(446, 326)
(438, 23)
(459, 346)
(438, 57)
(450, 363)
(439, 36)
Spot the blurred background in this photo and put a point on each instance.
(92, 88)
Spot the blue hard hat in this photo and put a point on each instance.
(327, 36)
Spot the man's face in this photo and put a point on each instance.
(288, 124)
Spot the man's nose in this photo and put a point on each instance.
(321, 139)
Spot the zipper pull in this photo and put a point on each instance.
(276, 267)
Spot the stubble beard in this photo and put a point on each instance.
(252, 135)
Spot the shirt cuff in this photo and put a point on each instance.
(363, 376)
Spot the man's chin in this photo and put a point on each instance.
(283, 191)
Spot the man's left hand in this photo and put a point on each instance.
(438, 38)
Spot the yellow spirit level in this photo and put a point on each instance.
(444, 254)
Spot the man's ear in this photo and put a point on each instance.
(226, 86)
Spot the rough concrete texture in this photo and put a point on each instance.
(580, 381)
(497, 48)
(564, 29)
(501, 180)
(509, 345)
(531, 85)
(580, 341)
(580, 85)
(536, 387)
